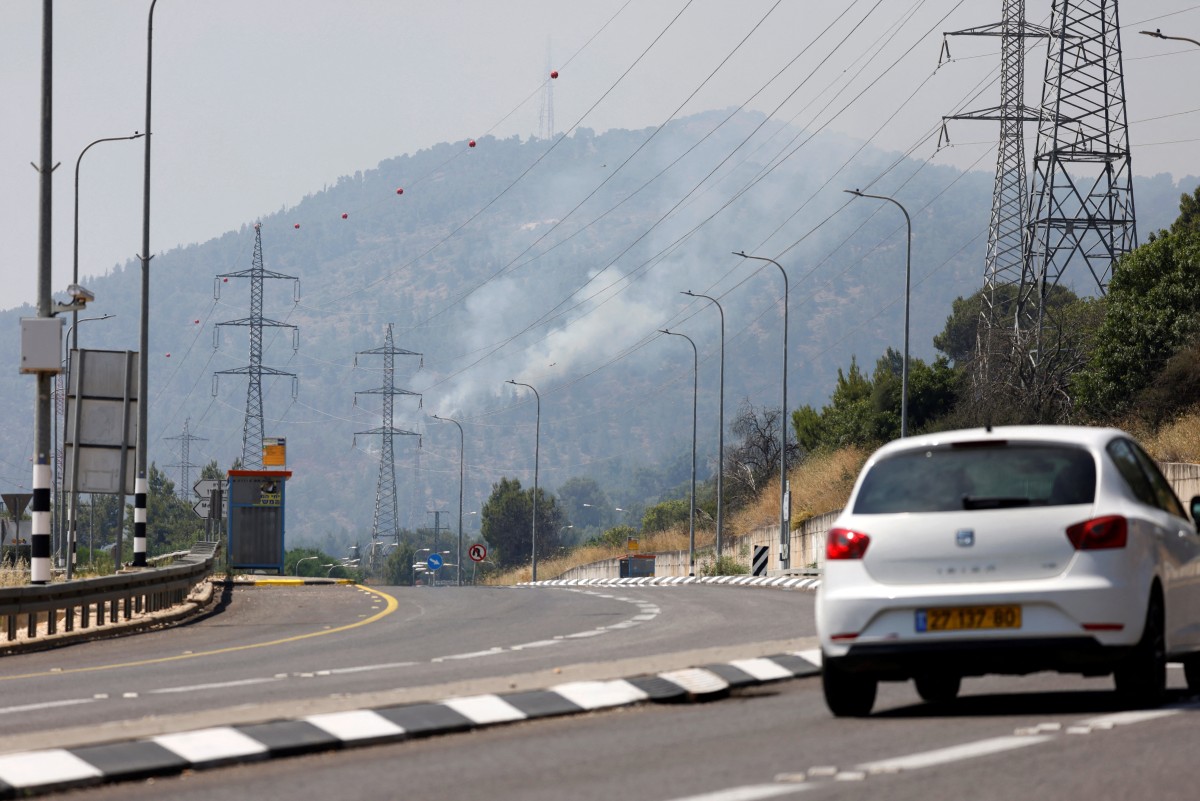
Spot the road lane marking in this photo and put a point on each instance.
(44, 705)
(751, 792)
(955, 753)
(213, 686)
(392, 606)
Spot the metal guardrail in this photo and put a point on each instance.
(106, 599)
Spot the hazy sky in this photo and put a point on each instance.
(260, 102)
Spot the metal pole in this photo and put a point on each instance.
(39, 538)
(537, 435)
(720, 428)
(907, 291)
(461, 455)
(785, 543)
(142, 485)
(692, 509)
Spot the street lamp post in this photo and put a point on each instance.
(1158, 34)
(461, 453)
(720, 426)
(692, 505)
(303, 559)
(142, 483)
(785, 544)
(537, 433)
(907, 291)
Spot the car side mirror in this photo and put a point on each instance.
(1195, 509)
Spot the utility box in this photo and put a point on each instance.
(256, 501)
(637, 566)
(41, 344)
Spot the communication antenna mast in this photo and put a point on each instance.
(1005, 261)
(1081, 203)
(252, 431)
(385, 523)
(546, 114)
(185, 466)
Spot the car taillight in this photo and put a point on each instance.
(1110, 531)
(842, 543)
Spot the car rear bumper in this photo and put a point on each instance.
(896, 661)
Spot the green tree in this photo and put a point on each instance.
(663, 516)
(171, 525)
(1189, 214)
(507, 523)
(1151, 313)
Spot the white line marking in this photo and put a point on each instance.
(751, 792)
(599, 694)
(364, 668)
(537, 644)
(44, 705)
(213, 686)
(762, 669)
(955, 753)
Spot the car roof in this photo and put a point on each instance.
(1091, 437)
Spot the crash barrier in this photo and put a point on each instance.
(37, 610)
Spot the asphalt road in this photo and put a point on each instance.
(1043, 736)
(1040, 737)
(280, 651)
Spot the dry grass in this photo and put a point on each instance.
(822, 484)
(14, 575)
(1177, 441)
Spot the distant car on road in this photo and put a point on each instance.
(1009, 550)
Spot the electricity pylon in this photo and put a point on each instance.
(252, 430)
(1081, 203)
(385, 523)
(185, 466)
(1005, 261)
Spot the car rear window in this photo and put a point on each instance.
(978, 476)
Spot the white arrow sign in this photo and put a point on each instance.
(203, 508)
(205, 486)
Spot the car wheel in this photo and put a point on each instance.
(1191, 672)
(936, 688)
(847, 694)
(1142, 678)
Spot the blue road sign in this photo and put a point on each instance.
(434, 561)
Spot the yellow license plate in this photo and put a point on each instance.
(966, 618)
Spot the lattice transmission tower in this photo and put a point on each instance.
(185, 465)
(252, 430)
(1081, 200)
(1004, 263)
(386, 522)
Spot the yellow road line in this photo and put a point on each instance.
(392, 606)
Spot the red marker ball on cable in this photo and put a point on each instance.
(471, 143)
(400, 191)
(345, 215)
(553, 73)
(297, 225)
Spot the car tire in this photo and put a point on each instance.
(1191, 672)
(938, 688)
(848, 695)
(1142, 678)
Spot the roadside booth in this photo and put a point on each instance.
(256, 518)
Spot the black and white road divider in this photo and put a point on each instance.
(31, 773)
(809, 583)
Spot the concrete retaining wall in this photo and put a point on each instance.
(808, 539)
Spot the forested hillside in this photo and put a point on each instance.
(553, 264)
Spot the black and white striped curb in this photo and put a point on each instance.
(31, 773)
(776, 582)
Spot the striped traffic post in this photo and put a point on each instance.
(39, 540)
(141, 489)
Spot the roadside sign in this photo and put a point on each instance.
(434, 561)
(203, 507)
(477, 552)
(204, 487)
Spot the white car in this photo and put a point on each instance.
(1009, 550)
